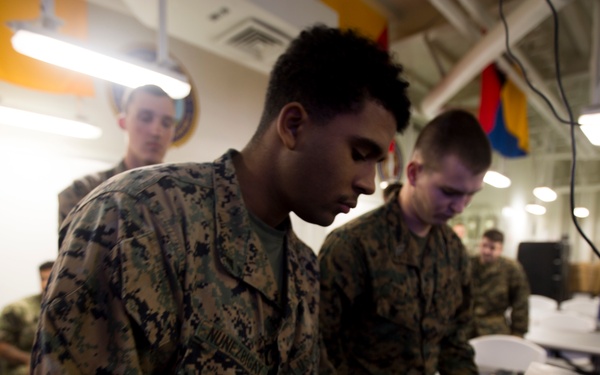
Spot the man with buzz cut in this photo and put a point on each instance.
(194, 268)
(148, 120)
(396, 282)
(500, 290)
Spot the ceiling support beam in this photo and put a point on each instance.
(525, 17)
(486, 21)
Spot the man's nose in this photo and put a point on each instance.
(459, 203)
(365, 183)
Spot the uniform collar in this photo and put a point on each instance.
(240, 250)
(404, 247)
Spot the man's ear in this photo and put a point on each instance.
(412, 170)
(290, 123)
(121, 121)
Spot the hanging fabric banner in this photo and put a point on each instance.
(356, 14)
(503, 113)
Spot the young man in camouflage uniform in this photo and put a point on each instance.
(396, 282)
(499, 283)
(148, 119)
(18, 323)
(194, 268)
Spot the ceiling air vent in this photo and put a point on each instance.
(256, 39)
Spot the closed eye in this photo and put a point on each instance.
(358, 156)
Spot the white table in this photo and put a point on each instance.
(582, 342)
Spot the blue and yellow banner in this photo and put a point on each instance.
(503, 113)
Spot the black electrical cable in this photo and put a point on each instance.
(514, 59)
(571, 122)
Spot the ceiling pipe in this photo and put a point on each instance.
(486, 21)
(525, 17)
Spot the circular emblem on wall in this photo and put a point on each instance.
(186, 112)
(390, 169)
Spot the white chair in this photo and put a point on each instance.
(569, 322)
(537, 301)
(505, 352)
(585, 306)
(540, 306)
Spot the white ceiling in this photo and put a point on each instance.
(442, 44)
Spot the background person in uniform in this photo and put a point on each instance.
(18, 323)
(148, 119)
(194, 268)
(499, 283)
(396, 282)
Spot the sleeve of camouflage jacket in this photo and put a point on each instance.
(342, 275)
(456, 354)
(519, 300)
(111, 305)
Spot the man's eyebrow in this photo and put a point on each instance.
(451, 190)
(373, 147)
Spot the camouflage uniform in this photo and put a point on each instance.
(496, 287)
(388, 309)
(160, 273)
(18, 323)
(70, 196)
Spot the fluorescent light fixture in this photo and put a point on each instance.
(581, 212)
(48, 124)
(508, 211)
(545, 194)
(496, 180)
(50, 47)
(535, 209)
(590, 124)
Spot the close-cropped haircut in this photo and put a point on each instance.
(494, 235)
(330, 72)
(455, 132)
(149, 89)
(46, 266)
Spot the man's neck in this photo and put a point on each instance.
(409, 214)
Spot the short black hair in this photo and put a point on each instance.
(46, 266)
(455, 132)
(331, 71)
(494, 235)
(149, 89)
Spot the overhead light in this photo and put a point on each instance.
(496, 180)
(47, 123)
(590, 123)
(48, 46)
(508, 211)
(581, 212)
(535, 209)
(545, 194)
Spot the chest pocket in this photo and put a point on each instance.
(396, 294)
(152, 309)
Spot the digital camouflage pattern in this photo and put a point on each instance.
(73, 194)
(386, 308)
(496, 287)
(159, 273)
(18, 323)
